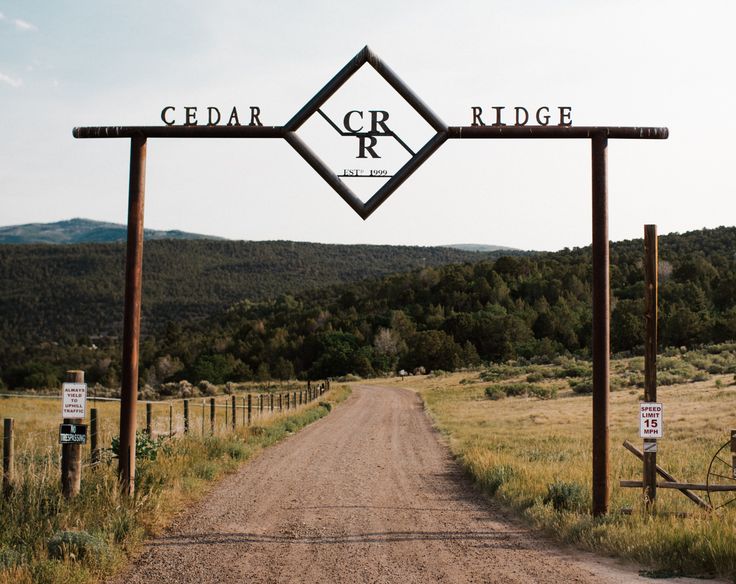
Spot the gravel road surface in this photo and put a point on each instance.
(368, 494)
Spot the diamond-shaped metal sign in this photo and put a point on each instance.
(365, 209)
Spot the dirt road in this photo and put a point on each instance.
(367, 494)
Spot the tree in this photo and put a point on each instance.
(335, 351)
(433, 350)
(283, 370)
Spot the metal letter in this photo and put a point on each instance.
(477, 111)
(565, 114)
(234, 116)
(375, 122)
(498, 109)
(255, 111)
(191, 115)
(346, 121)
(210, 122)
(526, 116)
(546, 118)
(163, 115)
(363, 147)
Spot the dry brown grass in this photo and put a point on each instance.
(517, 447)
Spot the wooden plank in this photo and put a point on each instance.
(680, 486)
(665, 475)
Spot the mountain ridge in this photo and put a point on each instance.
(81, 230)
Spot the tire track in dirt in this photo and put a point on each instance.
(366, 495)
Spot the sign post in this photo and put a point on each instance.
(74, 409)
(651, 280)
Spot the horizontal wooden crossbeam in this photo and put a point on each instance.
(680, 486)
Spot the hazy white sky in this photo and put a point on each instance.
(656, 63)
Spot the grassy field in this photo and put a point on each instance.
(534, 453)
(46, 539)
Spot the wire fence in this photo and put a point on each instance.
(31, 437)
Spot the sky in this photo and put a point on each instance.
(625, 63)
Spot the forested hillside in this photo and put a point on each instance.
(61, 294)
(441, 317)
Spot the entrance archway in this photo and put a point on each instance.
(598, 136)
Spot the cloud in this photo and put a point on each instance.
(24, 25)
(2, 16)
(15, 83)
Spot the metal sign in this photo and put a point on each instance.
(72, 434)
(651, 420)
(74, 400)
(367, 132)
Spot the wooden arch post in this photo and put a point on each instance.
(601, 324)
(132, 315)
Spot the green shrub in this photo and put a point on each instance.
(326, 405)
(499, 391)
(575, 370)
(543, 392)
(534, 377)
(516, 389)
(565, 496)
(495, 477)
(582, 386)
(495, 392)
(237, 450)
(9, 558)
(499, 372)
(76, 545)
(146, 448)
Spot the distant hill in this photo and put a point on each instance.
(83, 231)
(53, 292)
(478, 247)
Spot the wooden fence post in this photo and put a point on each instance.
(212, 415)
(94, 449)
(260, 404)
(270, 397)
(149, 416)
(186, 416)
(281, 402)
(227, 419)
(8, 456)
(171, 419)
(71, 454)
(250, 407)
(234, 411)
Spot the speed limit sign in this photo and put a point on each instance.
(651, 420)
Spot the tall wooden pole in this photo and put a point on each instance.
(651, 261)
(71, 454)
(132, 315)
(601, 324)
